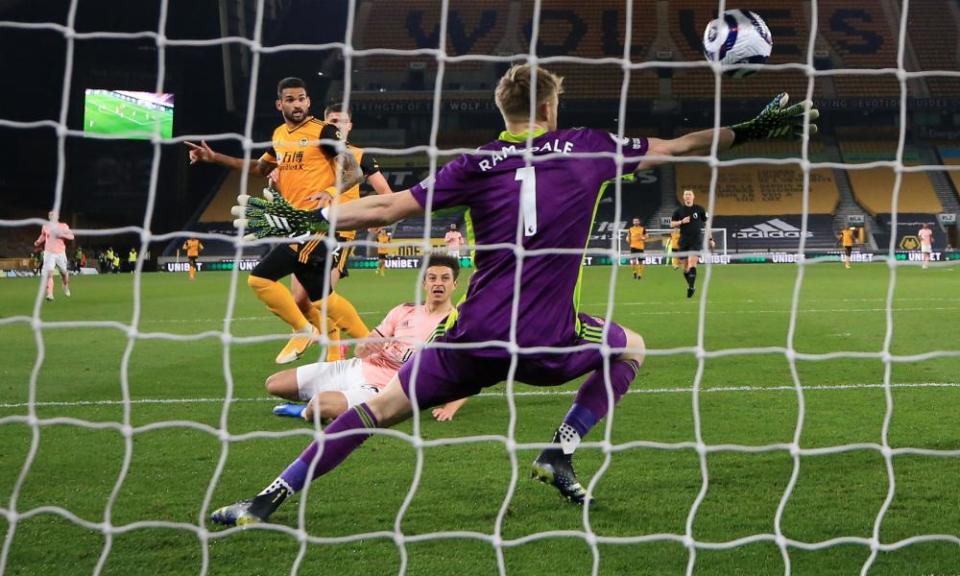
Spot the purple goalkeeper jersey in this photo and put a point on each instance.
(556, 197)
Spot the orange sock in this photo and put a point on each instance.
(193, 272)
(279, 300)
(333, 333)
(344, 315)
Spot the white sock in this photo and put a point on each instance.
(569, 438)
(276, 485)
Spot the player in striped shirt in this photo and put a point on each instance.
(524, 323)
(52, 238)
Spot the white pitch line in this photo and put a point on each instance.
(720, 389)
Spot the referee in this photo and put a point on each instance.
(690, 218)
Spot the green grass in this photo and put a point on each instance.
(645, 491)
(100, 117)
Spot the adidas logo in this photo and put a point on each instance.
(775, 228)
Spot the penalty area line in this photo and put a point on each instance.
(678, 390)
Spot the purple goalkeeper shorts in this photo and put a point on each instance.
(440, 375)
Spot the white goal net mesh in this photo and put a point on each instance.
(15, 514)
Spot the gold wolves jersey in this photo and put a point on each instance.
(304, 168)
(636, 237)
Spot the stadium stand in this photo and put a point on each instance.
(860, 36)
(760, 190)
(639, 199)
(950, 156)
(873, 189)
(932, 31)
(906, 231)
(789, 24)
(493, 27)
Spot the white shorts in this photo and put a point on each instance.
(926, 248)
(343, 376)
(58, 261)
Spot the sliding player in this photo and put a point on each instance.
(193, 247)
(690, 219)
(551, 218)
(52, 238)
(333, 387)
(309, 167)
(638, 242)
(341, 117)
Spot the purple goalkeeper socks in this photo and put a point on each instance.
(335, 450)
(590, 405)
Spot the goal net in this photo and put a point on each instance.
(780, 424)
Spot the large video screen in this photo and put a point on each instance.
(127, 113)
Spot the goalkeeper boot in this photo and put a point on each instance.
(289, 409)
(554, 467)
(297, 345)
(690, 291)
(253, 511)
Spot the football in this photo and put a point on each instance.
(737, 37)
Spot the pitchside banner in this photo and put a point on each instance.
(779, 233)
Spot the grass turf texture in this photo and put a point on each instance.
(644, 491)
(99, 117)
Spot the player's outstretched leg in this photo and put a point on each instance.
(388, 408)
(554, 465)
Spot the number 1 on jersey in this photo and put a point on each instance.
(528, 198)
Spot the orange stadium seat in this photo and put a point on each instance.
(951, 157)
(760, 189)
(873, 189)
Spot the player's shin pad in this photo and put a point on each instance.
(777, 121)
(274, 216)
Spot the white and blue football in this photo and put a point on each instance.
(737, 37)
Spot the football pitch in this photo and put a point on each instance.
(449, 507)
(101, 116)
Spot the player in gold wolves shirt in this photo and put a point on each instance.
(338, 116)
(193, 246)
(638, 242)
(846, 239)
(304, 152)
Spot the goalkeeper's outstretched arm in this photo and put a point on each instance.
(776, 121)
(372, 211)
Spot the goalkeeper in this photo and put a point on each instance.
(308, 165)
(504, 328)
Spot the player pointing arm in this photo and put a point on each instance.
(556, 212)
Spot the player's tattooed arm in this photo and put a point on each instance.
(348, 170)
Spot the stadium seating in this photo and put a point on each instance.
(638, 199)
(951, 157)
(932, 30)
(873, 189)
(860, 36)
(768, 190)
(790, 28)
